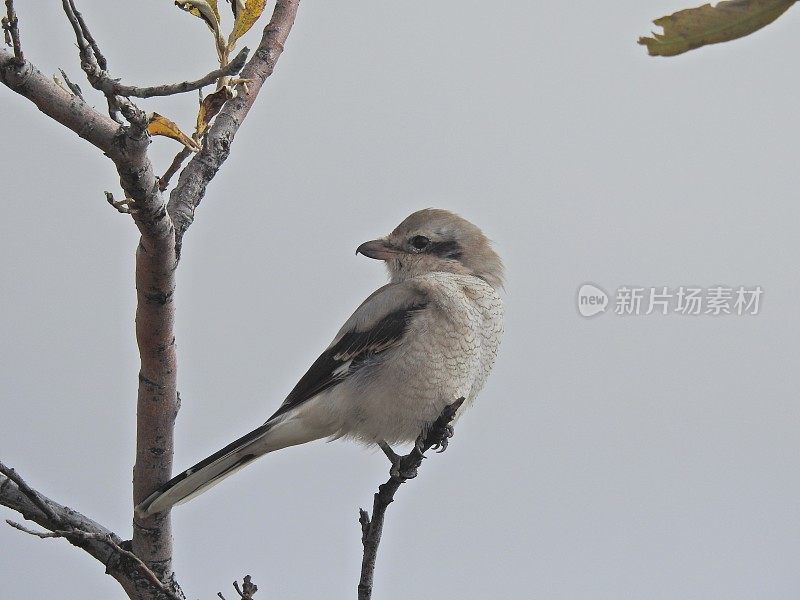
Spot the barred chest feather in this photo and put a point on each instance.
(447, 352)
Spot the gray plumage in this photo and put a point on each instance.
(414, 346)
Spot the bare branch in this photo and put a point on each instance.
(79, 530)
(73, 87)
(174, 167)
(156, 261)
(101, 60)
(56, 102)
(403, 469)
(11, 31)
(194, 179)
(80, 535)
(109, 86)
(29, 492)
(94, 65)
(157, 401)
(155, 285)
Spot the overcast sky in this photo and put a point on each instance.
(640, 456)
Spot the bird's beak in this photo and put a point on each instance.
(379, 249)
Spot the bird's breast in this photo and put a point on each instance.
(447, 352)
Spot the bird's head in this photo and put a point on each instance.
(436, 240)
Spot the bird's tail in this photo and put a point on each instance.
(271, 436)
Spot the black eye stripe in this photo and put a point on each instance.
(448, 249)
(420, 242)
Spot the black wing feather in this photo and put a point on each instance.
(354, 347)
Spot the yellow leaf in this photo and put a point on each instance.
(245, 17)
(210, 106)
(205, 9)
(695, 27)
(160, 125)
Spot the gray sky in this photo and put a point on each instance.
(614, 457)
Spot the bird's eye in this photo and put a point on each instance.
(419, 242)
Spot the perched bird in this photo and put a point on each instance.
(428, 337)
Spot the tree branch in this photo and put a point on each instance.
(11, 31)
(157, 399)
(174, 167)
(156, 261)
(155, 284)
(56, 102)
(80, 531)
(403, 469)
(94, 64)
(191, 187)
(110, 86)
(101, 60)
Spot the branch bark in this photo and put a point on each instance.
(56, 102)
(403, 469)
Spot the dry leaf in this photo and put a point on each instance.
(160, 125)
(695, 27)
(210, 106)
(245, 18)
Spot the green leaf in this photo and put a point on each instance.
(695, 27)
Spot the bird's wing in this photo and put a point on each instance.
(376, 326)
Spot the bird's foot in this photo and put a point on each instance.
(403, 467)
(440, 435)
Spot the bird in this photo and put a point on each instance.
(427, 338)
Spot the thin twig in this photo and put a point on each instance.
(94, 65)
(73, 87)
(177, 162)
(31, 494)
(11, 31)
(88, 58)
(101, 60)
(110, 86)
(246, 592)
(403, 469)
(80, 535)
(124, 206)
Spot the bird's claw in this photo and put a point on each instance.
(441, 435)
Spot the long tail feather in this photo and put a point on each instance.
(271, 436)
